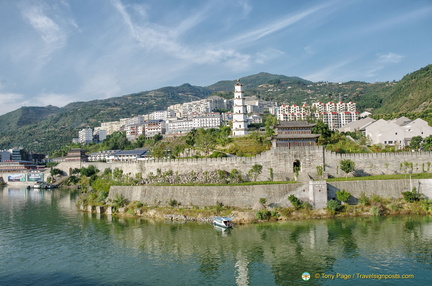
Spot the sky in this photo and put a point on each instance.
(53, 52)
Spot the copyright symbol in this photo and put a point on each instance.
(317, 275)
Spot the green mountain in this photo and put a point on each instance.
(413, 93)
(254, 81)
(44, 129)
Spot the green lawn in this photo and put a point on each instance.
(238, 184)
(383, 177)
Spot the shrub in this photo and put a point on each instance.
(271, 174)
(89, 171)
(376, 211)
(343, 195)
(297, 204)
(102, 196)
(411, 196)
(275, 214)
(363, 200)
(394, 206)
(119, 200)
(427, 206)
(263, 201)
(263, 214)
(333, 205)
(173, 203)
(375, 198)
(306, 206)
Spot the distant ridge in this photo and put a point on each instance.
(254, 81)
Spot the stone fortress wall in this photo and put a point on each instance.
(282, 161)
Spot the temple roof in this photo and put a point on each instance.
(296, 136)
(295, 124)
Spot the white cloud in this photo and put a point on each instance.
(389, 58)
(282, 23)
(334, 72)
(11, 101)
(101, 85)
(49, 98)
(49, 31)
(246, 7)
(381, 62)
(268, 54)
(153, 37)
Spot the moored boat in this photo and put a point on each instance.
(42, 185)
(224, 222)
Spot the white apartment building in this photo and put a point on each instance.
(162, 115)
(137, 120)
(113, 126)
(132, 131)
(200, 106)
(336, 120)
(293, 112)
(99, 134)
(334, 107)
(85, 136)
(197, 121)
(154, 127)
(335, 115)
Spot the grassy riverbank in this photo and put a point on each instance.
(367, 206)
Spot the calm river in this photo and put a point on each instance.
(44, 240)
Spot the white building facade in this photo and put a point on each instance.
(397, 132)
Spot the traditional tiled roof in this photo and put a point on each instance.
(295, 124)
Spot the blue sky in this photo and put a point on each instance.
(57, 52)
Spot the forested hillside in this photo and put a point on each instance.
(43, 129)
(411, 94)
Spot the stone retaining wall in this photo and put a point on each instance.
(236, 196)
(317, 193)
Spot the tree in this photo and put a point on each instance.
(89, 171)
(205, 140)
(324, 130)
(269, 122)
(255, 171)
(55, 171)
(347, 166)
(416, 142)
(427, 143)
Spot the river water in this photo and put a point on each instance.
(44, 240)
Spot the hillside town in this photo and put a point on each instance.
(214, 112)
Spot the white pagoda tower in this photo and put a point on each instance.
(239, 127)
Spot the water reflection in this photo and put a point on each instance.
(177, 253)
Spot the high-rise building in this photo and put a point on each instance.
(239, 127)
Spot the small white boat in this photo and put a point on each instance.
(224, 222)
(39, 185)
(42, 185)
